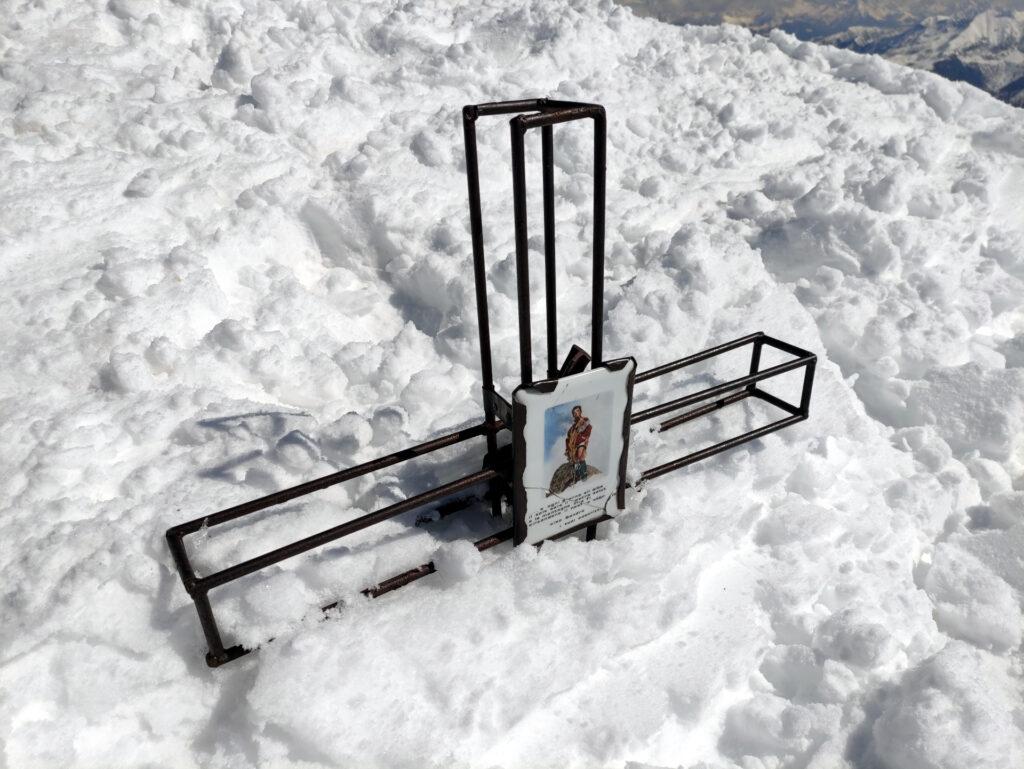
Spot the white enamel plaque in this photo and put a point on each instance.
(570, 437)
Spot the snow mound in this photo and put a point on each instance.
(939, 718)
(236, 257)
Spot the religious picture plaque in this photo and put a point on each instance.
(571, 438)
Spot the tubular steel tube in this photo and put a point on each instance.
(597, 301)
(778, 344)
(689, 360)
(176, 544)
(711, 392)
(562, 115)
(215, 645)
(703, 410)
(328, 480)
(550, 293)
(508, 107)
(805, 395)
(522, 248)
(479, 266)
(480, 281)
(407, 577)
(342, 530)
(757, 392)
(710, 451)
(755, 359)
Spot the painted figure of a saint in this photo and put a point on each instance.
(576, 440)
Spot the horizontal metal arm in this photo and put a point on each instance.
(711, 392)
(326, 481)
(342, 530)
(689, 360)
(710, 451)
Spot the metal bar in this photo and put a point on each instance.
(703, 410)
(479, 265)
(711, 392)
(176, 544)
(318, 484)
(469, 115)
(689, 360)
(698, 456)
(523, 105)
(777, 402)
(550, 290)
(755, 359)
(805, 395)
(342, 530)
(407, 577)
(507, 107)
(597, 301)
(778, 344)
(522, 248)
(562, 115)
(214, 644)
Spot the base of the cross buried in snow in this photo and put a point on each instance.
(591, 507)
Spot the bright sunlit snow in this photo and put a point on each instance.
(236, 255)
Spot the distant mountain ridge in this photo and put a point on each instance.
(981, 43)
(986, 50)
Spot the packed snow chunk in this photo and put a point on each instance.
(162, 355)
(972, 603)
(296, 451)
(342, 440)
(795, 521)
(974, 409)
(229, 334)
(124, 275)
(428, 150)
(132, 10)
(457, 561)
(234, 66)
(957, 710)
(143, 185)
(771, 726)
(125, 372)
(991, 476)
(1013, 350)
(274, 606)
(793, 671)
(853, 637)
(1002, 510)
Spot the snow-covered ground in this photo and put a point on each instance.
(235, 255)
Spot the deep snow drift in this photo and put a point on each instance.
(236, 256)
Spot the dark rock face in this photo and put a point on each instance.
(564, 477)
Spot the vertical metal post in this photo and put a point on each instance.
(755, 362)
(216, 654)
(547, 148)
(469, 115)
(518, 131)
(805, 396)
(597, 318)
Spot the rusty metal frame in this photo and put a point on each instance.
(496, 470)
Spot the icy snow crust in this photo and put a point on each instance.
(236, 256)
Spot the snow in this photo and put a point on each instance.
(236, 257)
